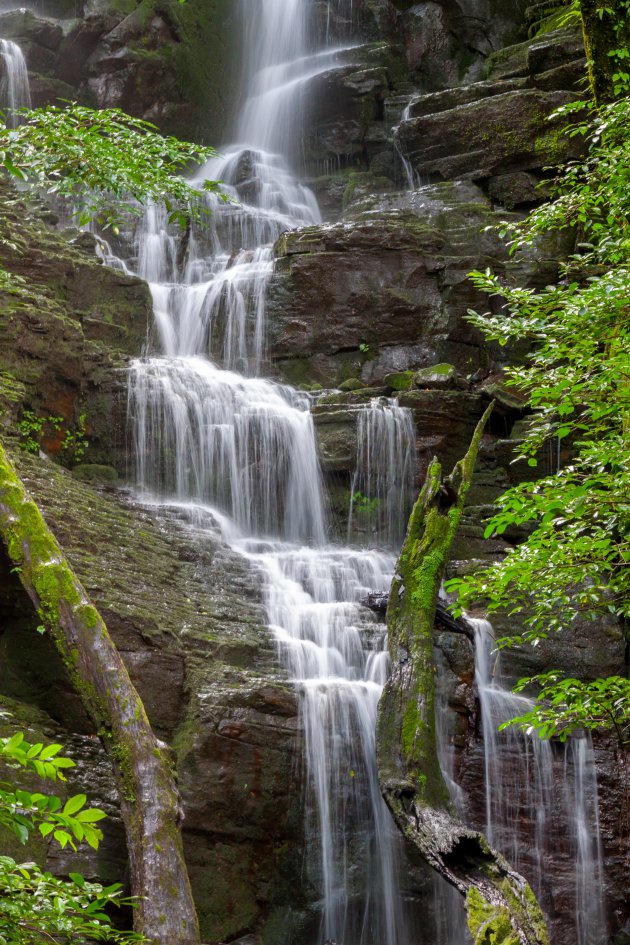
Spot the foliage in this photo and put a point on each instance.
(363, 505)
(104, 161)
(31, 427)
(568, 704)
(21, 811)
(576, 561)
(76, 443)
(34, 905)
(613, 19)
(37, 907)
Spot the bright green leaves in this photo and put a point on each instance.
(574, 562)
(104, 162)
(44, 761)
(569, 704)
(36, 907)
(22, 811)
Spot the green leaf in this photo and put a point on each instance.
(74, 804)
(91, 816)
(50, 751)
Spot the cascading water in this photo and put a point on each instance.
(383, 482)
(412, 179)
(536, 803)
(245, 446)
(14, 88)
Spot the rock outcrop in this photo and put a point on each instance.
(374, 300)
(187, 618)
(387, 288)
(168, 63)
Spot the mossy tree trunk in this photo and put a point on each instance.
(151, 812)
(606, 28)
(500, 904)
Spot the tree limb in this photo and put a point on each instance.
(165, 911)
(500, 905)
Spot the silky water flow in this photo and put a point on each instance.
(14, 87)
(212, 434)
(225, 438)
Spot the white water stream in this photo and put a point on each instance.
(539, 804)
(14, 87)
(223, 437)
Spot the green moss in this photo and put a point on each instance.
(353, 383)
(399, 380)
(122, 756)
(489, 924)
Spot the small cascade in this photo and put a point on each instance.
(336, 654)
(383, 482)
(536, 802)
(239, 452)
(581, 797)
(412, 179)
(244, 445)
(518, 770)
(14, 88)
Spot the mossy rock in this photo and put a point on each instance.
(399, 380)
(353, 383)
(440, 376)
(95, 472)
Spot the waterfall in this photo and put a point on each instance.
(536, 804)
(14, 87)
(382, 485)
(210, 433)
(412, 179)
(238, 451)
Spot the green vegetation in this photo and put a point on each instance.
(606, 27)
(105, 163)
(36, 907)
(75, 443)
(31, 428)
(363, 506)
(576, 561)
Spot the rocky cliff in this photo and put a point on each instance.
(433, 129)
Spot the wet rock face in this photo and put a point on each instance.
(387, 289)
(499, 126)
(500, 134)
(188, 620)
(446, 41)
(64, 347)
(151, 59)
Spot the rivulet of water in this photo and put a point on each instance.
(383, 482)
(540, 799)
(14, 87)
(209, 433)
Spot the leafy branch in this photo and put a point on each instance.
(576, 381)
(104, 161)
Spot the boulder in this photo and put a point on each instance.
(387, 289)
(503, 133)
